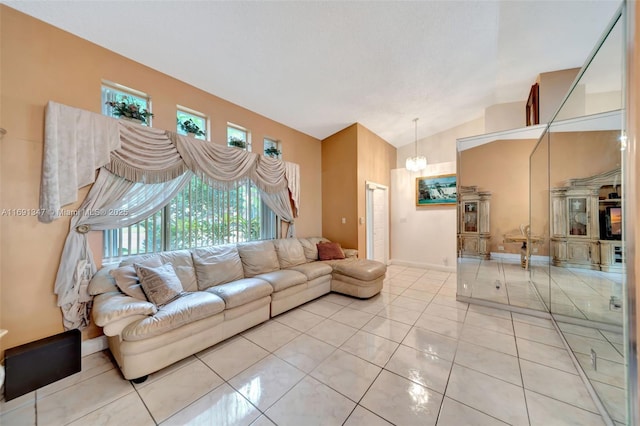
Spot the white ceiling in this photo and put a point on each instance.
(319, 66)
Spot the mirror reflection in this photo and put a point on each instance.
(541, 218)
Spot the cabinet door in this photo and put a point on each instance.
(470, 245)
(470, 216)
(578, 216)
(578, 252)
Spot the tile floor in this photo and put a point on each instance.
(412, 355)
(608, 378)
(578, 293)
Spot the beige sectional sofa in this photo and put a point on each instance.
(226, 289)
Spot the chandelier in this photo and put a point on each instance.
(417, 162)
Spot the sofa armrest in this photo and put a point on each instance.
(115, 306)
(350, 253)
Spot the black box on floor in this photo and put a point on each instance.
(36, 364)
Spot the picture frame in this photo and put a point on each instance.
(533, 106)
(438, 190)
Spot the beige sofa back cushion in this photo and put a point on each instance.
(182, 264)
(290, 252)
(217, 265)
(309, 245)
(127, 278)
(258, 257)
(160, 284)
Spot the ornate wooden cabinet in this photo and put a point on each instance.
(586, 223)
(473, 223)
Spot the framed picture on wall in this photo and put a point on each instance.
(436, 190)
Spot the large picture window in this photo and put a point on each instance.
(199, 216)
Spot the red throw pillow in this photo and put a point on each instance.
(330, 251)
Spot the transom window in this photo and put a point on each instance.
(272, 148)
(238, 137)
(186, 118)
(113, 92)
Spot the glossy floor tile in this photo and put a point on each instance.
(411, 356)
(579, 293)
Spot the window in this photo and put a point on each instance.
(199, 216)
(238, 137)
(197, 118)
(272, 148)
(118, 93)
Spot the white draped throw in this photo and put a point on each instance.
(144, 169)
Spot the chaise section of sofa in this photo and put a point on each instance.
(225, 290)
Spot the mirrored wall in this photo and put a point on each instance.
(576, 201)
(554, 212)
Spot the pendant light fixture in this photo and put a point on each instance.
(417, 162)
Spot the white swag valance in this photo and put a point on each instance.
(141, 170)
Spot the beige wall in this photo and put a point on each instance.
(351, 157)
(339, 187)
(376, 158)
(554, 86)
(505, 116)
(501, 167)
(441, 147)
(415, 229)
(41, 63)
(582, 154)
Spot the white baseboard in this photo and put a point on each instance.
(94, 345)
(422, 265)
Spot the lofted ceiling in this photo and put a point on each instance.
(319, 66)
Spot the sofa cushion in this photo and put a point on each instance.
(217, 265)
(258, 257)
(181, 261)
(309, 245)
(189, 308)
(160, 284)
(290, 252)
(313, 270)
(183, 265)
(103, 282)
(363, 269)
(283, 279)
(113, 307)
(127, 278)
(241, 292)
(330, 251)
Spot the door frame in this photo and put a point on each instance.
(370, 187)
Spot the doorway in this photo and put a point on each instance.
(377, 200)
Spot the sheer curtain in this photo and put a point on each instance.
(113, 202)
